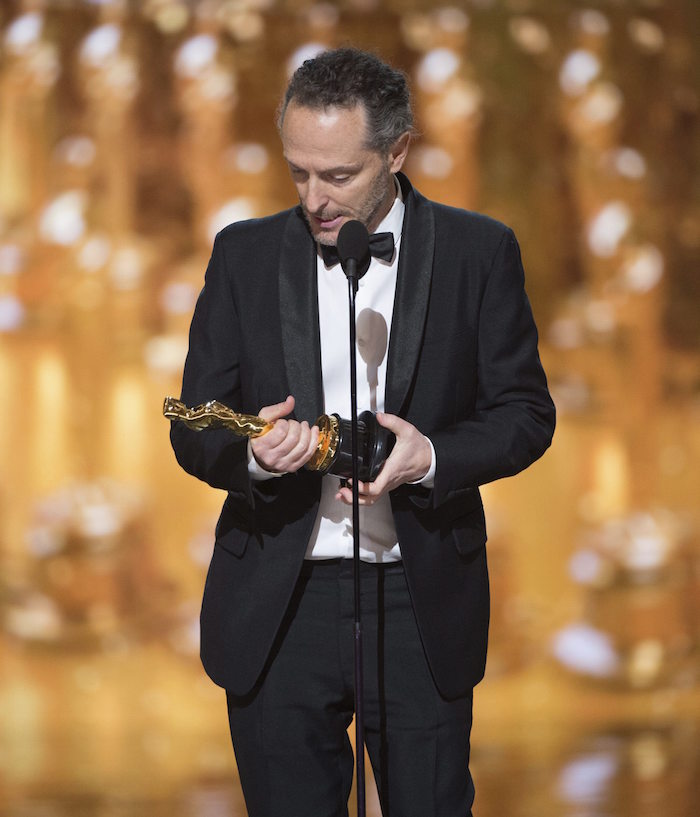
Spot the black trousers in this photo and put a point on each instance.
(289, 734)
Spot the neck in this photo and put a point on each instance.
(385, 205)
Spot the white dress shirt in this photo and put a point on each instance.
(374, 306)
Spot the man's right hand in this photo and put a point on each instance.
(289, 445)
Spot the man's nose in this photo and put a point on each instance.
(316, 196)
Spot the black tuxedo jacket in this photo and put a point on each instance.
(463, 367)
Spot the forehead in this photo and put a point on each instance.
(327, 136)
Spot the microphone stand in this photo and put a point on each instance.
(352, 276)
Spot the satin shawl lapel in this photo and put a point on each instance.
(299, 318)
(412, 295)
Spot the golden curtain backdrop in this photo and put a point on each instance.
(130, 132)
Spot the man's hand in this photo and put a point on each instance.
(288, 445)
(409, 461)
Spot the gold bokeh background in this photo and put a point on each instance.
(129, 133)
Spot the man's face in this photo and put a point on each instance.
(338, 178)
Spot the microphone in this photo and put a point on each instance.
(353, 249)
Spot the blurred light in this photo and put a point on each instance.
(461, 101)
(323, 15)
(571, 393)
(196, 55)
(628, 162)
(417, 31)
(592, 21)
(184, 635)
(24, 32)
(238, 209)
(217, 84)
(647, 546)
(178, 298)
(46, 66)
(649, 757)
(434, 162)
(530, 35)
(78, 151)
(127, 268)
(608, 228)
(11, 313)
(170, 16)
(587, 778)
(250, 158)
(100, 45)
(201, 545)
(588, 567)
(246, 26)
(35, 616)
(62, 220)
(645, 269)
(578, 70)
(166, 353)
(44, 541)
(94, 253)
(308, 51)
(602, 104)
(646, 34)
(452, 20)
(436, 68)
(121, 76)
(600, 317)
(582, 648)
(642, 543)
(646, 661)
(566, 333)
(11, 259)
(611, 474)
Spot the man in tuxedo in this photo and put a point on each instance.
(447, 358)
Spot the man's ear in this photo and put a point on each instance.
(398, 152)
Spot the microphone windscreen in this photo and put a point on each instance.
(353, 242)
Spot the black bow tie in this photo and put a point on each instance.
(381, 245)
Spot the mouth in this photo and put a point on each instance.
(327, 223)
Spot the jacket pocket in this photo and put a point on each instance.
(234, 528)
(469, 531)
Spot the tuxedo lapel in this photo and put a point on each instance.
(298, 304)
(412, 295)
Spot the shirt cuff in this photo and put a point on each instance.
(255, 470)
(428, 480)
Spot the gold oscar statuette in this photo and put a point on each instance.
(333, 453)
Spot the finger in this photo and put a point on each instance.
(277, 410)
(273, 438)
(345, 494)
(296, 449)
(391, 422)
(302, 451)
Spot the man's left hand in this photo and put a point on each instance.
(409, 461)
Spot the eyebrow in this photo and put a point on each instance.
(353, 168)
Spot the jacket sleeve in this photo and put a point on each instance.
(514, 417)
(212, 372)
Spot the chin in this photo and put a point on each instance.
(327, 237)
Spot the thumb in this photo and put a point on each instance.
(278, 410)
(390, 421)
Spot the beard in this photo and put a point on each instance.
(368, 211)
